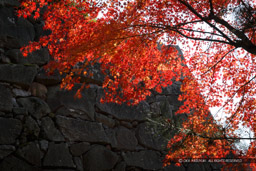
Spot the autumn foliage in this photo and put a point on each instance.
(219, 68)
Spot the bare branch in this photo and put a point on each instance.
(219, 61)
(236, 93)
(203, 39)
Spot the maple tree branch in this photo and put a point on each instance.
(226, 138)
(211, 7)
(203, 39)
(244, 42)
(189, 131)
(176, 27)
(235, 93)
(190, 22)
(205, 19)
(204, 32)
(218, 61)
(233, 115)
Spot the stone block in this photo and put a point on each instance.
(18, 74)
(99, 158)
(10, 130)
(58, 155)
(5, 99)
(79, 130)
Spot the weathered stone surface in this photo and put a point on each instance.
(74, 113)
(7, 3)
(48, 80)
(216, 166)
(50, 131)
(179, 119)
(10, 130)
(31, 153)
(198, 166)
(160, 98)
(126, 139)
(105, 120)
(2, 113)
(123, 112)
(5, 99)
(161, 108)
(58, 156)
(59, 169)
(20, 93)
(173, 100)
(120, 167)
(174, 89)
(57, 98)
(4, 59)
(19, 111)
(39, 57)
(79, 163)
(79, 148)
(18, 74)
(35, 106)
(126, 124)
(149, 160)
(155, 109)
(31, 127)
(44, 145)
(173, 167)
(15, 32)
(149, 139)
(99, 158)
(14, 102)
(5, 150)
(79, 130)
(12, 163)
(166, 109)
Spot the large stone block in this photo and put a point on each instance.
(44, 78)
(176, 168)
(39, 57)
(14, 32)
(31, 127)
(10, 130)
(18, 74)
(149, 160)
(122, 139)
(35, 106)
(99, 158)
(58, 155)
(5, 150)
(12, 163)
(74, 113)
(31, 153)
(80, 130)
(148, 138)
(123, 112)
(57, 97)
(50, 131)
(105, 120)
(5, 99)
(12, 3)
(78, 149)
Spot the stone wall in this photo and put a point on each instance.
(45, 128)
